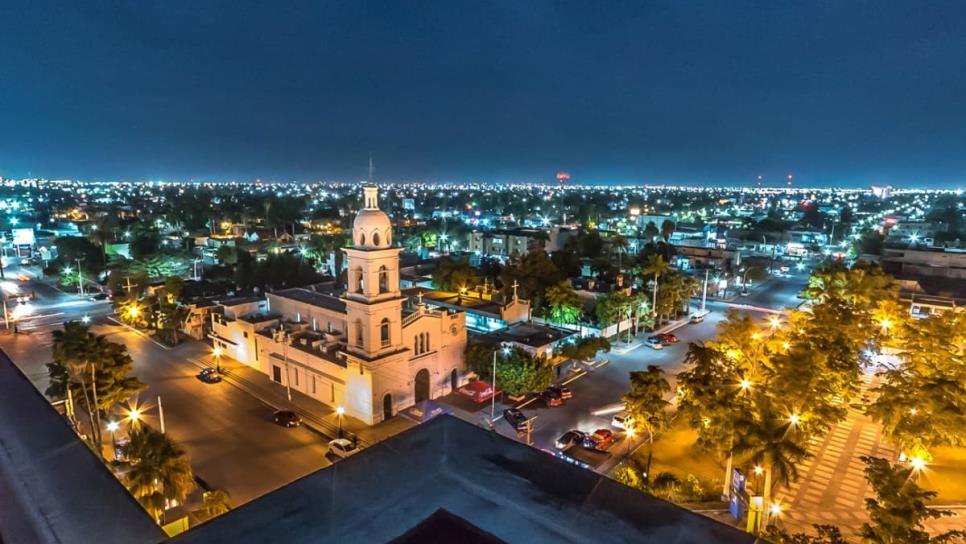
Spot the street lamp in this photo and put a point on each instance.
(745, 384)
(217, 353)
(340, 411)
(794, 419)
(775, 322)
(918, 463)
(112, 427)
(631, 433)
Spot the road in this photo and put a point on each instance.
(602, 387)
(228, 434)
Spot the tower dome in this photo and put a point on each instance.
(371, 228)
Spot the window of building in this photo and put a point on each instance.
(296, 372)
(383, 280)
(313, 384)
(359, 280)
(375, 239)
(384, 332)
(362, 238)
(358, 332)
(245, 333)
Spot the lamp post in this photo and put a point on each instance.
(506, 351)
(340, 411)
(112, 427)
(217, 353)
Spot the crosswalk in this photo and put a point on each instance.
(832, 488)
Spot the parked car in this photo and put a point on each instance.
(209, 375)
(99, 296)
(654, 342)
(565, 392)
(668, 338)
(552, 397)
(286, 418)
(622, 420)
(696, 318)
(343, 447)
(600, 439)
(570, 438)
(516, 419)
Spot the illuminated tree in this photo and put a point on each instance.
(899, 508)
(563, 304)
(646, 404)
(157, 472)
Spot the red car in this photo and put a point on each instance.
(668, 338)
(600, 439)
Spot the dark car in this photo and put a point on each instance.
(552, 397)
(209, 375)
(565, 392)
(99, 296)
(286, 418)
(570, 438)
(515, 418)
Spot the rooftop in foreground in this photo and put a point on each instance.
(507, 490)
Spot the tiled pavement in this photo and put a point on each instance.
(832, 486)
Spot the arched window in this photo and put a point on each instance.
(388, 237)
(416, 345)
(428, 348)
(359, 279)
(383, 280)
(362, 238)
(359, 332)
(384, 332)
(375, 239)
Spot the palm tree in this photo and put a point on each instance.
(619, 243)
(646, 404)
(216, 502)
(158, 472)
(73, 351)
(656, 266)
(772, 442)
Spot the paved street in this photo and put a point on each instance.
(228, 434)
(602, 387)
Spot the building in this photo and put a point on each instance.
(506, 243)
(361, 349)
(920, 262)
(485, 310)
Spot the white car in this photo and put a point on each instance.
(341, 447)
(654, 343)
(622, 420)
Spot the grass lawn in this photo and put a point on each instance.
(675, 452)
(946, 474)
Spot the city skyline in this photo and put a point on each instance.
(668, 94)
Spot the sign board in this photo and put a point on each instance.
(23, 237)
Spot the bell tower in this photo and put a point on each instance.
(373, 300)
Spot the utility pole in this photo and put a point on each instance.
(493, 385)
(161, 414)
(80, 278)
(288, 377)
(704, 294)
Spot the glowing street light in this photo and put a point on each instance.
(918, 463)
(886, 324)
(86, 319)
(758, 470)
(775, 509)
(794, 419)
(112, 427)
(774, 321)
(745, 384)
(133, 311)
(340, 411)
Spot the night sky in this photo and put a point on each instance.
(838, 93)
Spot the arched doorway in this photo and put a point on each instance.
(454, 379)
(422, 385)
(387, 406)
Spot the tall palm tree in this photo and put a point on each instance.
(158, 472)
(772, 442)
(646, 403)
(619, 243)
(656, 266)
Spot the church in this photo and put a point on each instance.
(370, 349)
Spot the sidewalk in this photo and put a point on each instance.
(315, 415)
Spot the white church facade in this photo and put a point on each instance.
(368, 350)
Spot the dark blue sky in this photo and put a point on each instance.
(838, 93)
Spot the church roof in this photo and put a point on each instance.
(313, 298)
